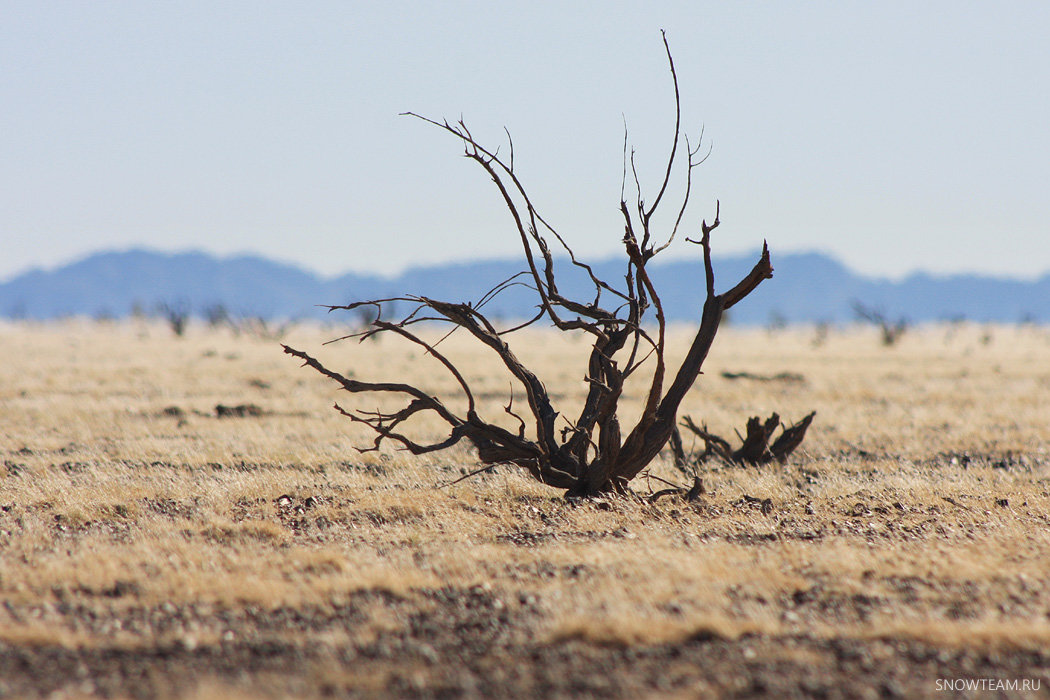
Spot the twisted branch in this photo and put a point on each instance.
(592, 455)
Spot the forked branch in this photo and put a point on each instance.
(594, 453)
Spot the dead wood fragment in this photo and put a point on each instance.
(778, 377)
(688, 495)
(756, 448)
(239, 411)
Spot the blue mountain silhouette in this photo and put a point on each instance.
(806, 287)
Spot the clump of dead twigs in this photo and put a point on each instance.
(755, 447)
(889, 331)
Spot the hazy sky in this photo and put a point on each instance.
(895, 135)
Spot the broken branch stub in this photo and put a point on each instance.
(755, 448)
(594, 453)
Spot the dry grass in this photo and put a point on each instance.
(133, 518)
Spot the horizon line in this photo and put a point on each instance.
(410, 267)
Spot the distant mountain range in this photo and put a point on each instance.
(807, 287)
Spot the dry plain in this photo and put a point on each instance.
(155, 546)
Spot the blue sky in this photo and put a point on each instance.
(894, 135)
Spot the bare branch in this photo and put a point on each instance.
(623, 180)
(762, 270)
(689, 495)
(431, 350)
(677, 131)
(594, 454)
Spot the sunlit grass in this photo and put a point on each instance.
(916, 508)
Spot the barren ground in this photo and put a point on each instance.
(153, 545)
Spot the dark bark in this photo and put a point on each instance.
(592, 454)
(756, 448)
